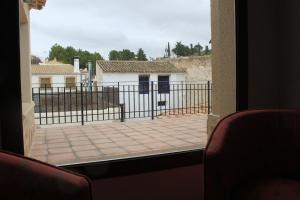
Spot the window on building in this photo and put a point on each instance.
(70, 82)
(163, 85)
(144, 84)
(45, 82)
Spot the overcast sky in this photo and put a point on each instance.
(104, 25)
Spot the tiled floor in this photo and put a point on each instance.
(103, 141)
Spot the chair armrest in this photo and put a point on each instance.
(28, 179)
(237, 151)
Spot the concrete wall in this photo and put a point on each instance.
(223, 62)
(57, 80)
(198, 68)
(130, 82)
(27, 104)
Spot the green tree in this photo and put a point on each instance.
(182, 50)
(207, 51)
(66, 55)
(168, 51)
(114, 55)
(126, 54)
(198, 49)
(141, 56)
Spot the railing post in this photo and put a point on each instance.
(208, 97)
(122, 106)
(152, 101)
(81, 107)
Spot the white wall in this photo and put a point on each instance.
(139, 105)
(56, 80)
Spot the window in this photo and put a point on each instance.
(163, 85)
(162, 103)
(70, 82)
(144, 84)
(141, 134)
(45, 82)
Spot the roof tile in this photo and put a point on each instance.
(138, 67)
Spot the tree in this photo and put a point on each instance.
(125, 54)
(182, 50)
(207, 51)
(198, 49)
(35, 60)
(66, 55)
(114, 55)
(141, 56)
(168, 51)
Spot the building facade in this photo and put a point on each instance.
(143, 85)
(55, 75)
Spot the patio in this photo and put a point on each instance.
(71, 144)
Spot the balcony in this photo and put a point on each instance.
(86, 124)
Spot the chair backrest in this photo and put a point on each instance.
(249, 145)
(28, 179)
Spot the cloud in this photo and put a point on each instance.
(101, 25)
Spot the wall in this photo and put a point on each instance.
(223, 62)
(174, 184)
(289, 55)
(27, 104)
(130, 82)
(57, 80)
(265, 71)
(198, 67)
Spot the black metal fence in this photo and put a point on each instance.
(119, 101)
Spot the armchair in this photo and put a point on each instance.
(254, 155)
(27, 179)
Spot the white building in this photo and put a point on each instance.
(134, 80)
(54, 74)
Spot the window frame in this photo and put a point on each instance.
(73, 84)
(12, 122)
(161, 87)
(43, 86)
(144, 84)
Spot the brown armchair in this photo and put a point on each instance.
(27, 179)
(254, 155)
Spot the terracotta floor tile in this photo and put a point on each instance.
(58, 145)
(136, 148)
(106, 145)
(113, 151)
(80, 143)
(83, 148)
(87, 154)
(69, 144)
(57, 141)
(101, 141)
(60, 150)
(61, 158)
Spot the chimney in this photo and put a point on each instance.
(76, 64)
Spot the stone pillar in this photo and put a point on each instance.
(223, 61)
(25, 59)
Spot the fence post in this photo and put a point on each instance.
(81, 96)
(122, 105)
(208, 97)
(152, 101)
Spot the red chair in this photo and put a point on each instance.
(254, 155)
(27, 179)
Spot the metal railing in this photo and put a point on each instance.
(119, 101)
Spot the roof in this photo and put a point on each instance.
(52, 69)
(37, 4)
(138, 67)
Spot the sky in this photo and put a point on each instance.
(105, 25)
